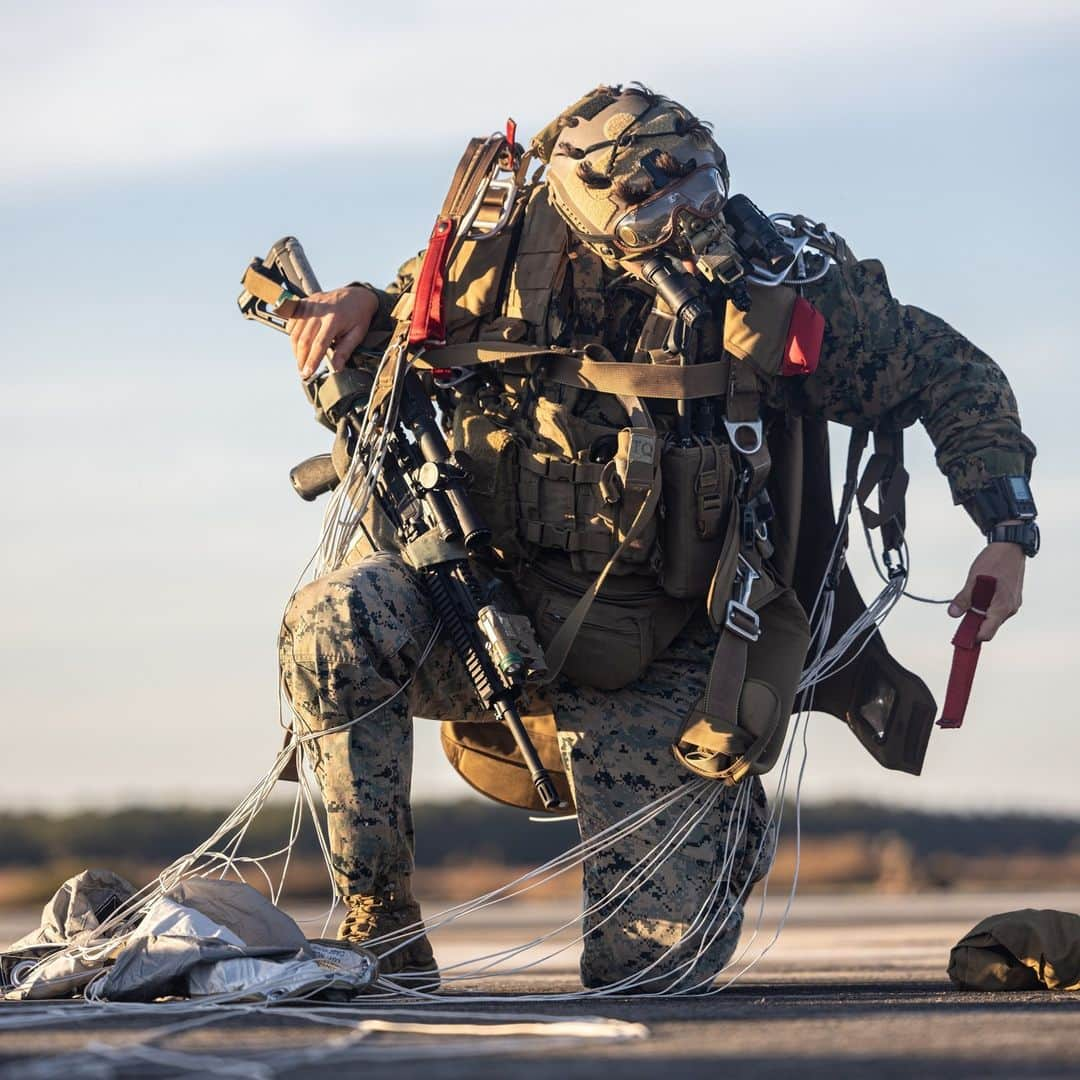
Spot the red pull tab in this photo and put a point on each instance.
(510, 160)
(427, 325)
(806, 331)
(966, 653)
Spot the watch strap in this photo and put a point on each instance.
(1025, 534)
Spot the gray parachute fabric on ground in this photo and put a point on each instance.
(76, 910)
(208, 936)
(78, 907)
(204, 936)
(1031, 949)
(170, 941)
(242, 910)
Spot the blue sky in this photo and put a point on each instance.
(150, 536)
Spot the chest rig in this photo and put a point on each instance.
(615, 531)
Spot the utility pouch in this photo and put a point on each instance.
(635, 467)
(629, 623)
(492, 452)
(698, 491)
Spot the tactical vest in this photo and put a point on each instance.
(588, 497)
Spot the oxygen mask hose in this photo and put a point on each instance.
(675, 287)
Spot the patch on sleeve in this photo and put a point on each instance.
(806, 331)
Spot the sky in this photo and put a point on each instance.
(149, 534)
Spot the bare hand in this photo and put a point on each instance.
(338, 319)
(1005, 562)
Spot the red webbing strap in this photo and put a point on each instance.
(966, 654)
(428, 325)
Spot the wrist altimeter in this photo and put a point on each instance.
(1005, 511)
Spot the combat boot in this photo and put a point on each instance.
(389, 909)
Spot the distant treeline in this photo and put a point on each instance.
(449, 833)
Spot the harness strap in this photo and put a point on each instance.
(670, 382)
(742, 418)
(428, 322)
(583, 370)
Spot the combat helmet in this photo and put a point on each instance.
(624, 162)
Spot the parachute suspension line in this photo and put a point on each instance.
(690, 805)
(627, 885)
(352, 497)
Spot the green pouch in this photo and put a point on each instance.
(698, 484)
(493, 466)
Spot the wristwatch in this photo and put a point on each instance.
(1026, 534)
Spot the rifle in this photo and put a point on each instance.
(423, 491)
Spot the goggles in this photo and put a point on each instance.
(648, 225)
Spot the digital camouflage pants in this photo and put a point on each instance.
(352, 638)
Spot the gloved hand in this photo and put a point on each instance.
(1005, 562)
(339, 319)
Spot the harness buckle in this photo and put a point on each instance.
(739, 617)
(742, 621)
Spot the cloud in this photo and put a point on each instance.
(123, 87)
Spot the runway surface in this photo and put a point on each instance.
(855, 986)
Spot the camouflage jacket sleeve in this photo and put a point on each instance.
(388, 297)
(887, 362)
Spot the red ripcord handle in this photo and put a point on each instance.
(966, 653)
(427, 326)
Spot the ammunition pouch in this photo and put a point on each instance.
(585, 507)
(698, 493)
(492, 451)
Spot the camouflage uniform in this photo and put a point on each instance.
(885, 360)
(351, 638)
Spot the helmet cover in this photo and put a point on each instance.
(616, 149)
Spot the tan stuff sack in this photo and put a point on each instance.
(1020, 950)
(487, 758)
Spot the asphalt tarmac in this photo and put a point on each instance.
(855, 986)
